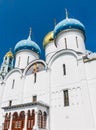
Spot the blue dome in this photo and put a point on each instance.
(68, 23)
(27, 44)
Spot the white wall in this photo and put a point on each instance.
(40, 88)
(79, 113)
(14, 94)
(91, 78)
(50, 84)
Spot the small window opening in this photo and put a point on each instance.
(13, 83)
(34, 98)
(6, 58)
(28, 60)
(64, 69)
(66, 98)
(3, 68)
(9, 69)
(10, 60)
(65, 43)
(35, 75)
(77, 42)
(10, 103)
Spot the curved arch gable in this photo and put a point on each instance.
(11, 72)
(60, 53)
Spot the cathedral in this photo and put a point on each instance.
(58, 93)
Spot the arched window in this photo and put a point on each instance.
(30, 120)
(15, 121)
(10, 60)
(7, 121)
(18, 121)
(28, 60)
(65, 43)
(21, 120)
(28, 112)
(66, 98)
(6, 58)
(77, 42)
(64, 69)
(13, 83)
(44, 120)
(40, 119)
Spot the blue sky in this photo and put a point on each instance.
(17, 16)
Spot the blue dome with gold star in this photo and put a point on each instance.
(27, 44)
(68, 23)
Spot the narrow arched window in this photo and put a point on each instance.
(44, 120)
(10, 60)
(66, 97)
(34, 98)
(19, 61)
(10, 103)
(77, 42)
(13, 83)
(65, 43)
(7, 121)
(30, 119)
(15, 121)
(21, 120)
(6, 58)
(28, 60)
(40, 119)
(64, 69)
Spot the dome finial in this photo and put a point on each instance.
(66, 11)
(30, 34)
(54, 22)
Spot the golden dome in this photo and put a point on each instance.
(48, 38)
(9, 54)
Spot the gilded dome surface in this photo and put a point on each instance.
(48, 39)
(9, 54)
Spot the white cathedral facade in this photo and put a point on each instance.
(56, 94)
